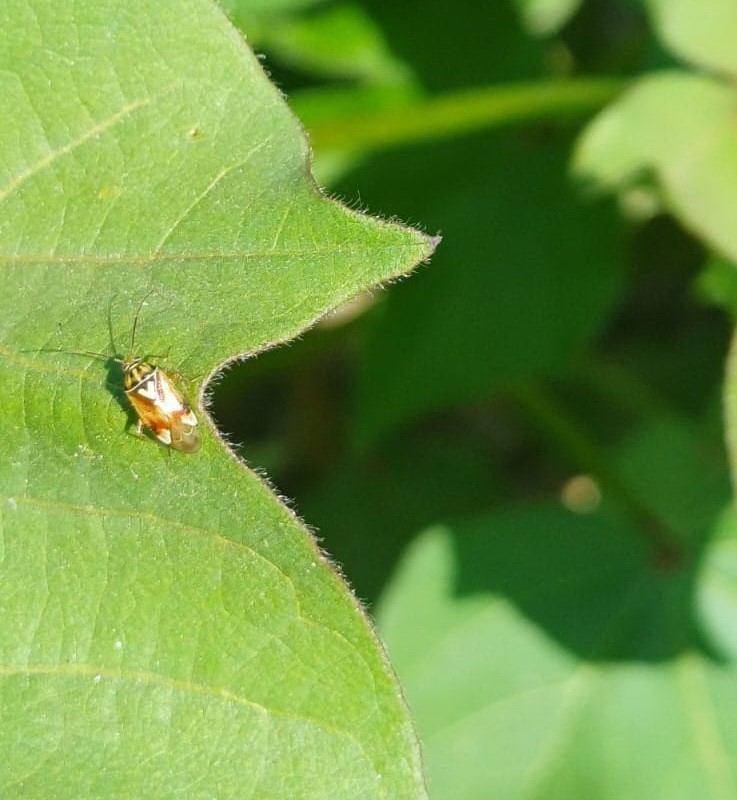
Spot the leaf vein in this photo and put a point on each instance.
(180, 685)
(148, 258)
(224, 172)
(147, 516)
(22, 177)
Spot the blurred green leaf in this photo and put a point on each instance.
(167, 627)
(703, 33)
(543, 651)
(526, 275)
(340, 41)
(545, 657)
(717, 283)
(730, 410)
(256, 17)
(678, 473)
(475, 45)
(546, 16)
(678, 129)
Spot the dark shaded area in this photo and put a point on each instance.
(478, 44)
(380, 502)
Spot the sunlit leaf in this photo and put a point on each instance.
(546, 16)
(703, 33)
(548, 654)
(677, 130)
(546, 657)
(167, 627)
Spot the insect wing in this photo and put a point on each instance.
(163, 410)
(184, 434)
(151, 416)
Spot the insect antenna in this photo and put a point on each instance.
(135, 321)
(90, 353)
(110, 325)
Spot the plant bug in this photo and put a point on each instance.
(158, 404)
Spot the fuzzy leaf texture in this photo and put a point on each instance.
(168, 628)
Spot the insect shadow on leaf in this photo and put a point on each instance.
(146, 393)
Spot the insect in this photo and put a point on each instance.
(159, 405)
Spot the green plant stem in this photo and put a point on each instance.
(569, 434)
(451, 115)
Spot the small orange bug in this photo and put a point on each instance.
(159, 405)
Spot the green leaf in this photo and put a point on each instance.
(677, 473)
(338, 41)
(544, 17)
(703, 32)
(497, 306)
(553, 655)
(475, 45)
(544, 657)
(717, 283)
(730, 409)
(168, 628)
(677, 129)
(341, 42)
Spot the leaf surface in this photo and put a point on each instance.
(674, 130)
(168, 628)
(702, 33)
(546, 16)
(506, 706)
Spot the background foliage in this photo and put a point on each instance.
(517, 456)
